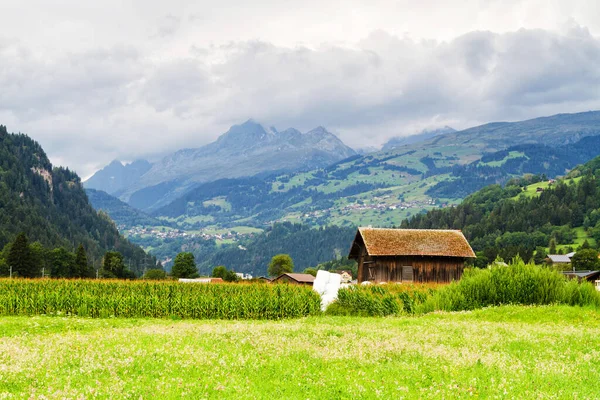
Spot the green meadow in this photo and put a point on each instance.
(499, 352)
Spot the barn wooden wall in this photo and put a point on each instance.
(424, 269)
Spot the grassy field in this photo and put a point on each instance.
(504, 352)
(531, 190)
(582, 236)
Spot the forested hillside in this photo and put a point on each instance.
(50, 206)
(508, 221)
(307, 247)
(252, 254)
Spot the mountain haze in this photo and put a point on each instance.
(554, 130)
(116, 176)
(400, 141)
(245, 150)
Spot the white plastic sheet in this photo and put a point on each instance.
(327, 285)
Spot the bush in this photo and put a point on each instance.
(155, 274)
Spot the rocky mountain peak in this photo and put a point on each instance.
(115, 164)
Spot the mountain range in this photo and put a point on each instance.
(518, 219)
(248, 149)
(385, 187)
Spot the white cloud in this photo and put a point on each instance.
(141, 79)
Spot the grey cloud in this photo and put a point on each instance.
(168, 26)
(178, 86)
(95, 81)
(128, 103)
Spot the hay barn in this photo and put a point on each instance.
(410, 255)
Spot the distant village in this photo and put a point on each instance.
(179, 233)
(377, 204)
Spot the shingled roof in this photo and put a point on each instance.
(411, 242)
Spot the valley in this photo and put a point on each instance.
(299, 200)
(381, 189)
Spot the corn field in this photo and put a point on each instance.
(109, 298)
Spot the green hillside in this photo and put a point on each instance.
(50, 206)
(518, 220)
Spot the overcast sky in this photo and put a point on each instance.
(104, 80)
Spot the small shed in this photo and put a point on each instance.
(297, 279)
(589, 276)
(559, 259)
(410, 255)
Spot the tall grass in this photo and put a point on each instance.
(517, 283)
(104, 298)
(381, 300)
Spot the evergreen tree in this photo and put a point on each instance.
(3, 267)
(585, 245)
(552, 246)
(113, 266)
(20, 258)
(540, 255)
(81, 269)
(62, 263)
(184, 266)
(39, 258)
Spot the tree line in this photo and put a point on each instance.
(24, 259)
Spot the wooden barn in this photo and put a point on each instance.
(410, 255)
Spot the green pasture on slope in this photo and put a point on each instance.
(531, 190)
